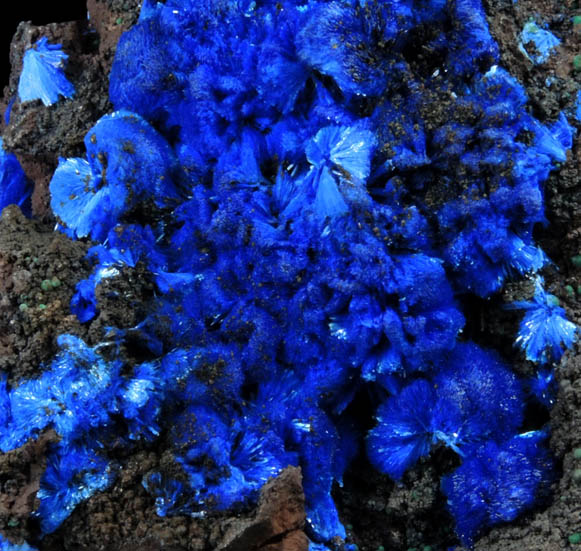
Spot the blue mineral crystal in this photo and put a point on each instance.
(73, 474)
(315, 207)
(544, 333)
(544, 43)
(15, 187)
(473, 398)
(171, 497)
(6, 545)
(127, 162)
(497, 482)
(43, 75)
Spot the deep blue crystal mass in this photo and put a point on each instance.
(315, 238)
(15, 188)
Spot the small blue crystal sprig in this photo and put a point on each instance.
(43, 75)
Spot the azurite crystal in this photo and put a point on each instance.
(313, 233)
(127, 161)
(544, 333)
(43, 75)
(15, 188)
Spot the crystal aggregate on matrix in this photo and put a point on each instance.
(314, 236)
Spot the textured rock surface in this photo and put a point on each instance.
(375, 510)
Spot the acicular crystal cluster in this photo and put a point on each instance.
(43, 75)
(314, 202)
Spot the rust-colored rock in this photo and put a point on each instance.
(31, 252)
(20, 473)
(111, 19)
(279, 519)
(294, 541)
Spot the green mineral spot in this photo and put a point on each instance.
(46, 285)
(42, 306)
(577, 475)
(427, 548)
(575, 538)
(55, 282)
(579, 289)
(577, 63)
(569, 290)
(576, 260)
(577, 20)
(349, 526)
(577, 453)
(381, 548)
(553, 300)
(119, 21)
(23, 307)
(13, 522)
